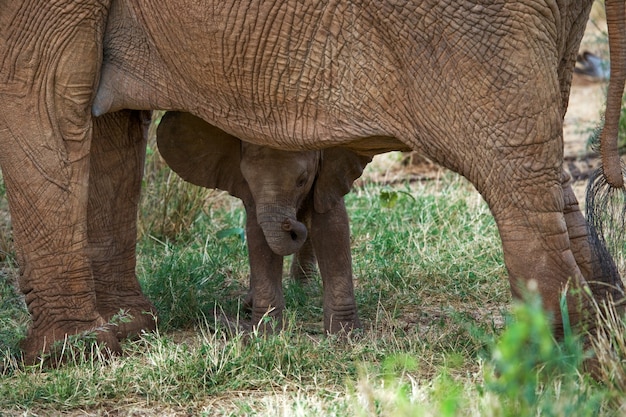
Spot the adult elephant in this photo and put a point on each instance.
(479, 87)
(286, 195)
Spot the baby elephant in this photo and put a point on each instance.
(286, 195)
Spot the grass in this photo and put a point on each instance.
(13, 315)
(432, 293)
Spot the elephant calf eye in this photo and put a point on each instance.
(301, 182)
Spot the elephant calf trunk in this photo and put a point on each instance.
(296, 230)
(284, 234)
(291, 239)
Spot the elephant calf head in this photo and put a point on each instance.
(275, 182)
(279, 182)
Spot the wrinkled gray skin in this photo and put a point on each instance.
(479, 87)
(284, 193)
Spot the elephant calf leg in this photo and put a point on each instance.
(304, 263)
(266, 272)
(331, 239)
(116, 170)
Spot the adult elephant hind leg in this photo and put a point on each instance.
(536, 243)
(116, 170)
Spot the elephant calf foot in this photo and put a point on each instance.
(71, 339)
(129, 316)
(341, 321)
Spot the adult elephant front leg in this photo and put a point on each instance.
(330, 234)
(51, 55)
(117, 160)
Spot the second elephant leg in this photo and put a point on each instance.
(117, 159)
(266, 273)
(330, 233)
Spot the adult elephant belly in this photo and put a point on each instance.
(245, 69)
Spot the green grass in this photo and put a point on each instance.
(185, 279)
(432, 293)
(13, 315)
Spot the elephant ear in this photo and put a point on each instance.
(201, 153)
(339, 168)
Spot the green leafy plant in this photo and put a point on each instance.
(530, 370)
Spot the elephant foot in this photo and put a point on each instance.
(60, 343)
(128, 316)
(342, 321)
(344, 327)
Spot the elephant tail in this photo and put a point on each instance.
(605, 208)
(606, 216)
(606, 194)
(611, 166)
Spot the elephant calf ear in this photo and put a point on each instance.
(339, 168)
(201, 153)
